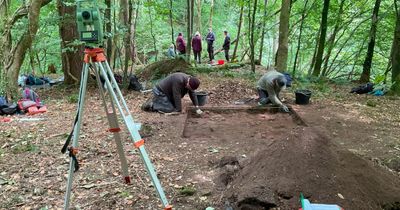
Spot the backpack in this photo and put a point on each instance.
(7, 108)
(3, 101)
(363, 88)
(134, 84)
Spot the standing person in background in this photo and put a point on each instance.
(196, 45)
(171, 51)
(226, 45)
(210, 44)
(180, 44)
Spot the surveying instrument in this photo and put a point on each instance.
(90, 30)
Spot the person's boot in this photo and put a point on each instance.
(148, 106)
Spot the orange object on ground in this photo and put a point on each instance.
(6, 119)
(34, 110)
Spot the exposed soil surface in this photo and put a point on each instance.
(349, 153)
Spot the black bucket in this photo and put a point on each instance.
(303, 96)
(201, 98)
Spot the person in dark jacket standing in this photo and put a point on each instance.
(169, 92)
(180, 44)
(226, 45)
(196, 45)
(210, 44)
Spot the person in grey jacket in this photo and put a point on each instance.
(269, 86)
(169, 92)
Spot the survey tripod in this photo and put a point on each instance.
(95, 57)
(90, 32)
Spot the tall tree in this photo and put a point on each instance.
(303, 15)
(152, 32)
(15, 51)
(125, 24)
(332, 38)
(211, 14)
(239, 28)
(71, 56)
(322, 37)
(198, 20)
(108, 28)
(189, 27)
(396, 53)
(282, 53)
(171, 21)
(133, 19)
(251, 33)
(365, 75)
(264, 21)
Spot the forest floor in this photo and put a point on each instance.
(341, 148)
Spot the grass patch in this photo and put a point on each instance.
(187, 191)
(125, 194)
(25, 147)
(372, 103)
(73, 98)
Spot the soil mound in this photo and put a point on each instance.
(306, 161)
(162, 68)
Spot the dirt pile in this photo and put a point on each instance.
(229, 92)
(162, 68)
(306, 161)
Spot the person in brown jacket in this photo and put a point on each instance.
(169, 92)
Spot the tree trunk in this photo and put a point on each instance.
(171, 22)
(321, 45)
(132, 29)
(198, 3)
(251, 32)
(303, 14)
(211, 14)
(189, 27)
(331, 40)
(152, 33)
(15, 58)
(263, 31)
(136, 9)
(282, 54)
(238, 33)
(365, 75)
(72, 60)
(396, 55)
(125, 22)
(107, 16)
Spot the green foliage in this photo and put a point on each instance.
(73, 98)
(371, 103)
(187, 191)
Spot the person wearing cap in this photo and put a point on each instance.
(169, 92)
(269, 86)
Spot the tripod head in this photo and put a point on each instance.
(90, 27)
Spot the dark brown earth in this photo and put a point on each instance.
(356, 142)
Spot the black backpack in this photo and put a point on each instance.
(7, 108)
(134, 84)
(363, 88)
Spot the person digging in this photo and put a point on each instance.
(167, 94)
(269, 86)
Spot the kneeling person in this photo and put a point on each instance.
(269, 86)
(169, 92)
